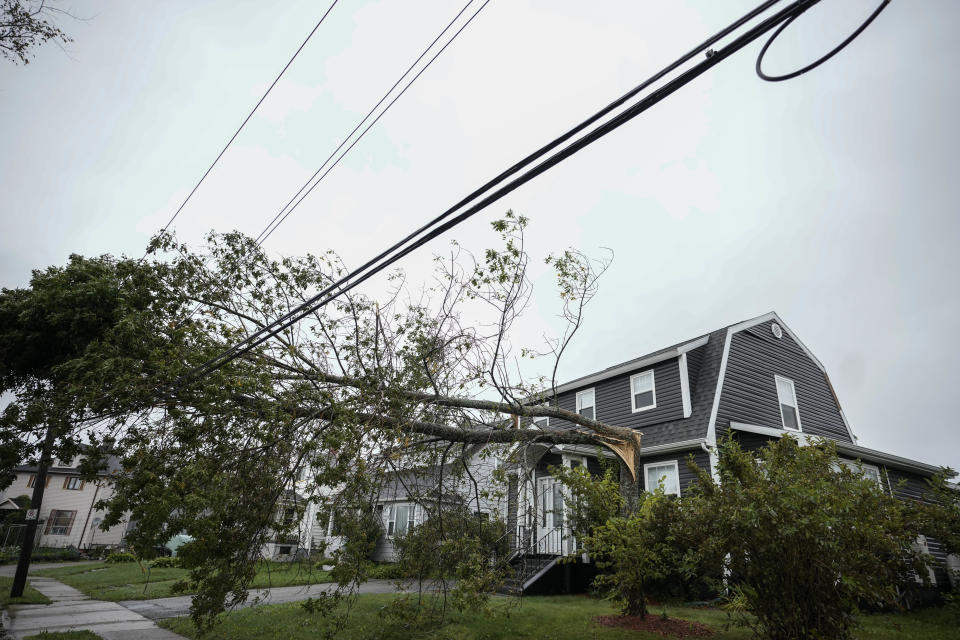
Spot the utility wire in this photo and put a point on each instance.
(281, 216)
(403, 247)
(249, 115)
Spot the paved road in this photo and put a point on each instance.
(72, 610)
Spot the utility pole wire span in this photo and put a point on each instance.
(249, 115)
(437, 226)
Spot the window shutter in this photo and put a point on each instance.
(50, 519)
(73, 515)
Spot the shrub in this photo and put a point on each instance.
(385, 571)
(168, 562)
(805, 539)
(114, 558)
(638, 552)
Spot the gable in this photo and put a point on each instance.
(748, 392)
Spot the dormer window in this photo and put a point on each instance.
(787, 396)
(541, 421)
(643, 391)
(586, 404)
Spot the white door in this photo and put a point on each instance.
(550, 516)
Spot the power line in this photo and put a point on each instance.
(249, 115)
(434, 228)
(404, 246)
(281, 216)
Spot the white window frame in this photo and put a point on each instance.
(796, 405)
(593, 392)
(662, 463)
(392, 515)
(540, 421)
(653, 388)
(863, 466)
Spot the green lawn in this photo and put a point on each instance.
(128, 581)
(550, 618)
(30, 595)
(64, 635)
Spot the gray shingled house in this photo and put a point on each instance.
(754, 380)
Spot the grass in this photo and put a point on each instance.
(552, 618)
(30, 595)
(64, 635)
(128, 581)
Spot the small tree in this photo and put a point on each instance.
(638, 552)
(807, 540)
(591, 500)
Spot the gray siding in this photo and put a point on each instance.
(687, 476)
(911, 486)
(749, 391)
(694, 364)
(613, 399)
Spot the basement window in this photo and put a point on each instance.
(787, 395)
(643, 392)
(586, 404)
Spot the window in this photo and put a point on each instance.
(60, 523)
(74, 483)
(541, 421)
(667, 472)
(400, 519)
(868, 470)
(33, 479)
(643, 391)
(586, 404)
(787, 396)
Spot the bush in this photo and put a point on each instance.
(805, 540)
(114, 558)
(385, 571)
(638, 552)
(166, 562)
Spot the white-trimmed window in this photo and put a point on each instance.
(60, 522)
(643, 391)
(541, 421)
(400, 518)
(787, 396)
(587, 403)
(667, 472)
(868, 470)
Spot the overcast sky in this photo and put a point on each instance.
(831, 199)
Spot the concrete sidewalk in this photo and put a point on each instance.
(72, 610)
(175, 607)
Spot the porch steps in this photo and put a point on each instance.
(526, 571)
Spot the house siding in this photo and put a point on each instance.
(613, 399)
(687, 476)
(749, 392)
(911, 486)
(694, 364)
(83, 532)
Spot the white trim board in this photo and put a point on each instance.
(631, 365)
(685, 387)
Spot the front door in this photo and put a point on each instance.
(550, 516)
